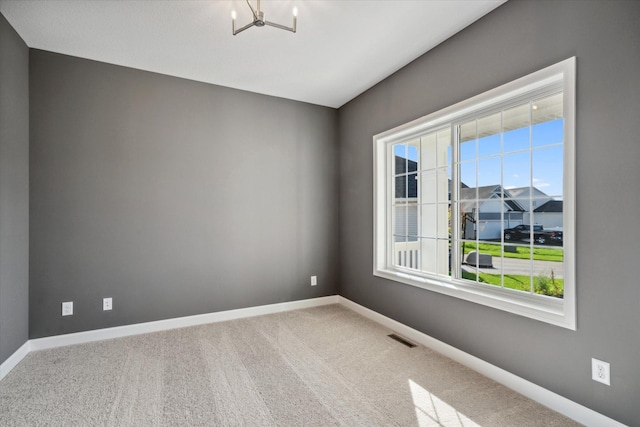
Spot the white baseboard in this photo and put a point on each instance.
(178, 322)
(14, 359)
(558, 403)
(156, 326)
(548, 398)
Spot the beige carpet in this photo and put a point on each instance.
(323, 366)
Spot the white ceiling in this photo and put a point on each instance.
(341, 48)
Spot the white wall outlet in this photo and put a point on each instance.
(67, 308)
(107, 304)
(600, 371)
(314, 280)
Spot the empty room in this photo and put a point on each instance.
(319, 212)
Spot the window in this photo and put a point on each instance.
(477, 200)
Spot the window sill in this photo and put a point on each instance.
(559, 312)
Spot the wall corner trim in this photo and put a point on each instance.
(558, 403)
(156, 326)
(14, 359)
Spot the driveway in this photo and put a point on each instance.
(522, 267)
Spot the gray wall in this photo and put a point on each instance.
(518, 38)
(177, 198)
(14, 191)
(173, 197)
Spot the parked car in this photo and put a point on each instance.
(540, 235)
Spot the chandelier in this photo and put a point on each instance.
(259, 21)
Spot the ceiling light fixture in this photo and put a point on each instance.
(259, 21)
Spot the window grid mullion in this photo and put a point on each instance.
(477, 202)
(455, 202)
(531, 218)
(502, 200)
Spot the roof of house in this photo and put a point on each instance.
(550, 206)
(516, 192)
(409, 188)
(406, 188)
(484, 193)
(403, 165)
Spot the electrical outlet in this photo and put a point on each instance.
(107, 304)
(67, 308)
(314, 280)
(600, 371)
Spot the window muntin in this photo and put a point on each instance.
(464, 177)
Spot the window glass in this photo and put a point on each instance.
(516, 127)
(468, 141)
(516, 170)
(489, 129)
(489, 172)
(444, 148)
(468, 175)
(429, 147)
(429, 186)
(547, 165)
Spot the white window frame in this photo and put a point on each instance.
(557, 311)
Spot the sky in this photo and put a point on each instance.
(542, 167)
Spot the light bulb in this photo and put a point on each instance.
(233, 15)
(295, 11)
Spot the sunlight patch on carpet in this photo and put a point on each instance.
(430, 410)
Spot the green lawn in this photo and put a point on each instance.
(543, 285)
(522, 252)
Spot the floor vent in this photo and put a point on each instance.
(402, 340)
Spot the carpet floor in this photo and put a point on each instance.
(323, 366)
